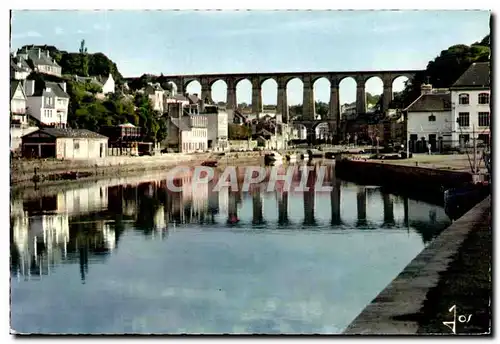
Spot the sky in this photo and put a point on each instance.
(196, 42)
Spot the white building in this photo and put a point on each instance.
(71, 144)
(187, 133)
(41, 61)
(19, 69)
(217, 127)
(156, 94)
(108, 84)
(47, 102)
(470, 98)
(430, 120)
(348, 111)
(17, 103)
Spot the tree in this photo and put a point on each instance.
(321, 109)
(239, 132)
(446, 68)
(84, 59)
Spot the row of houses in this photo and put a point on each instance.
(453, 117)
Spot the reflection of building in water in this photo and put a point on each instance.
(361, 205)
(223, 199)
(93, 198)
(43, 242)
(78, 201)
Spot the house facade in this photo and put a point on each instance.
(155, 93)
(17, 103)
(59, 143)
(471, 113)
(187, 133)
(430, 120)
(217, 128)
(41, 61)
(108, 84)
(19, 69)
(47, 102)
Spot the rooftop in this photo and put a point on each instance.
(431, 102)
(67, 132)
(476, 76)
(180, 124)
(42, 86)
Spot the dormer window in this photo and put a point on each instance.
(483, 98)
(463, 99)
(432, 118)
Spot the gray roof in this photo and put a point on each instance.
(67, 132)
(179, 97)
(42, 60)
(15, 67)
(193, 98)
(55, 90)
(431, 102)
(180, 124)
(84, 79)
(13, 87)
(476, 76)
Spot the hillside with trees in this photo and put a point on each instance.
(85, 110)
(82, 63)
(445, 69)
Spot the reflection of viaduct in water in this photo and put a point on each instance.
(87, 223)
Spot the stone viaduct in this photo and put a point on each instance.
(308, 79)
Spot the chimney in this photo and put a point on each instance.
(63, 85)
(48, 55)
(426, 89)
(39, 53)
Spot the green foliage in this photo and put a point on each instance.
(372, 99)
(238, 132)
(445, 69)
(322, 109)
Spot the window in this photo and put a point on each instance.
(76, 145)
(463, 119)
(484, 119)
(432, 118)
(463, 99)
(413, 137)
(483, 98)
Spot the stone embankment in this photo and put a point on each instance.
(419, 182)
(397, 309)
(50, 171)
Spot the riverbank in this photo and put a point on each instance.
(455, 269)
(52, 172)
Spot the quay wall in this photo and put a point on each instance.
(393, 311)
(423, 183)
(23, 170)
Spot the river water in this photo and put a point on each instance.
(128, 256)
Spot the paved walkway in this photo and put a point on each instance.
(455, 162)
